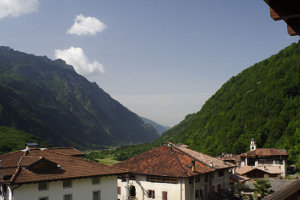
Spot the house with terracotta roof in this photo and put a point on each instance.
(173, 172)
(55, 173)
(262, 162)
(229, 158)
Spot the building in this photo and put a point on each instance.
(235, 160)
(55, 173)
(229, 158)
(173, 172)
(262, 162)
(259, 172)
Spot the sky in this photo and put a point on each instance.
(162, 59)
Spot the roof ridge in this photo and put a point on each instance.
(195, 158)
(14, 176)
(78, 158)
(50, 148)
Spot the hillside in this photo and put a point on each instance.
(159, 128)
(51, 101)
(262, 102)
(12, 139)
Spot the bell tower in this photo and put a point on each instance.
(252, 145)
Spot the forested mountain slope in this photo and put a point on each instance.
(159, 128)
(50, 100)
(13, 140)
(262, 102)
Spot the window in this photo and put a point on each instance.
(206, 177)
(96, 195)
(122, 177)
(151, 194)
(164, 195)
(132, 191)
(43, 186)
(67, 197)
(119, 190)
(221, 173)
(43, 198)
(251, 162)
(96, 180)
(219, 188)
(265, 161)
(197, 179)
(197, 194)
(162, 179)
(279, 162)
(131, 176)
(67, 184)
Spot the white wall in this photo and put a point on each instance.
(223, 180)
(273, 164)
(200, 185)
(183, 191)
(175, 191)
(190, 188)
(82, 189)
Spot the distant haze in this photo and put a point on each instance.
(159, 128)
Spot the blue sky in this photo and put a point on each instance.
(160, 58)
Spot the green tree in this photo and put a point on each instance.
(239, 188)
(262, 188)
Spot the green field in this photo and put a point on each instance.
(107, 161)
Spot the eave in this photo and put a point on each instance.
(287, 10)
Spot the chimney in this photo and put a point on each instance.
(171, 146)
(193, 166)
(211, 163)
(31, 145)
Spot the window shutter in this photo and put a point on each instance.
(153, 195)
(164, 195)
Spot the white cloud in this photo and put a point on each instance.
(16, 8)
(77, 58)
(86, 26)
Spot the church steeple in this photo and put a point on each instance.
(252, 145)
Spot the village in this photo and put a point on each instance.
(169, 172)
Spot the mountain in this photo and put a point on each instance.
(51, 101)
(13, 140)
(159, 128)
(262, 102)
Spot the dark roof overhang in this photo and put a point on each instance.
(287, 10)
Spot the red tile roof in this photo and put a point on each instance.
(20, 167)
(215, 163)
(70, 151)
(238, 178)
(270, 170)
(166, 160)
(229, 157)
(264, 152)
